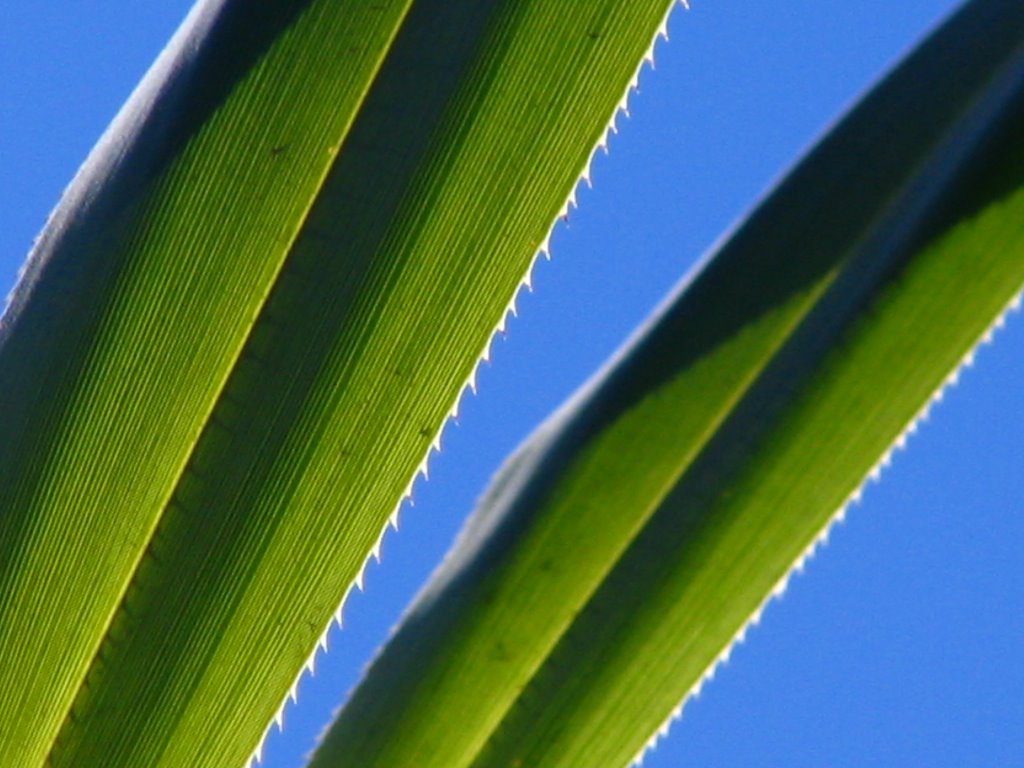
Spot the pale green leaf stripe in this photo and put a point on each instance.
(473, 133)
(627, 542)
(135, 303)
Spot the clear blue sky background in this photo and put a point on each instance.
(901, 643)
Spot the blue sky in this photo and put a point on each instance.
(902, 641)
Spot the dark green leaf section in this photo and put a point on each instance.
(627, 542)
(136, 302)
(475, 130)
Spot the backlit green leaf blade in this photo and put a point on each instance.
(624, 545)
(473, 132)
(134, 305)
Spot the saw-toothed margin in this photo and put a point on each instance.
(469, 387)
(243, 328)
(626, 545)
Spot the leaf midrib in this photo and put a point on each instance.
(187, 457)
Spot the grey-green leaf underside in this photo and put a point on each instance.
(240, 333)
(624, 546)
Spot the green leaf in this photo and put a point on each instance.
(240, 333)
(630, 540)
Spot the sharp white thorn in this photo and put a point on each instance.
(823, 536)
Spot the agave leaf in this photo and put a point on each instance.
(628, 542)
(240, 332)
